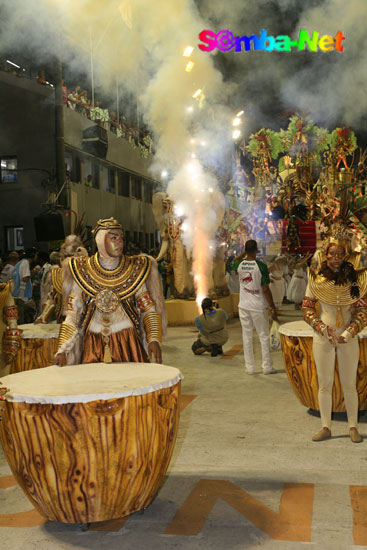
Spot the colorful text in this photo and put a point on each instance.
(225, 41)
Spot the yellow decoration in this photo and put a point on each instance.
(339, 318)
(125, 280)
(336, 295)
(107, 352)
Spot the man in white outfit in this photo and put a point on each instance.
(255, 295)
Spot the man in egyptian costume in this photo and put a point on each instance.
(115, 304)
(335, 306)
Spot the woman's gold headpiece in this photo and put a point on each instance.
(339, 236)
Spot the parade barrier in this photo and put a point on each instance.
(91, 442)
(296, 341)
(37, 347)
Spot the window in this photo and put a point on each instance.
(124, 184)
(105, 178)
(68, 166)
(111, 180)
(108, 175)
(88, 177)
(95, 175)
(14, 238)
(76, 170)
(147, 246)
(9, 166)
(152, 240)
(136, 190)
(148, 191)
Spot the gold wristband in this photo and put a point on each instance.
(153, 326)
(65, 334)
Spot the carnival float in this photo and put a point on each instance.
(285, 192)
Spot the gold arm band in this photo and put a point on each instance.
(12, 339)
(153, 326)
(310, 315)
(10, 312)
(145, 302)
(65, 334)
(359, 315)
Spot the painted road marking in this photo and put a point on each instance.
(358, 497)
(185, 400)
(292, 523)
(232, 352)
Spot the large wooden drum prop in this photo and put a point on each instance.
(91, 442)
(296, 339)
(37, 347)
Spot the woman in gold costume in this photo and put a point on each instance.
(339, 290)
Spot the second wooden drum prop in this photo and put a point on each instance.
(91, 442)
(37, 347)
(296, 339)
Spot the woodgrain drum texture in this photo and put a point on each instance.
(95, 461)
(301, 371)
(38, 351)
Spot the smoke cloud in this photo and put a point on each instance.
(140, 44)
(329, 86)
(143, 43)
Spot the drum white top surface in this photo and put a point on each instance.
(301, 328)
(31, 330)
(88, 382)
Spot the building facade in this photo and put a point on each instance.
(118, 183)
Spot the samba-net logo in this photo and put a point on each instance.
(225, 41)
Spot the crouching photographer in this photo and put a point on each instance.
(212, 327)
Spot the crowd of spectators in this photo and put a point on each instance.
(77, 99)
(28, 268)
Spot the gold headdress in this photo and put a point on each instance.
(342, 234)
(107, 223)
(339, 236)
